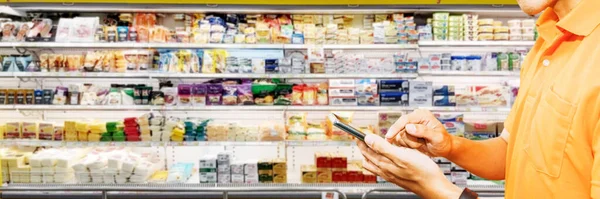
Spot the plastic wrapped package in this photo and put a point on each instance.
(217, 131)
(271, 131)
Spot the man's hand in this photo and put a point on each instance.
(406, 168)
(421, 125)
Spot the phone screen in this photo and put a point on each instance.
(338, 122)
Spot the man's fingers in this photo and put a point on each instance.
(378, 159)
(396, 154)
(416, 117)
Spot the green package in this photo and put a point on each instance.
(264, 93)
(283, 94)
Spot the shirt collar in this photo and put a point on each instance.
(583, 19)
(546, 24)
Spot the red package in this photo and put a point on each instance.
(133, 138)
(131, 129)
(339, 175)
(322, 160)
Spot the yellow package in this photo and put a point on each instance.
(46, 131)
(92, 137)
(176, 138)
(177, 132)
(12, 130)
(82, 127)
(82, 136)
(2, 129)
(70, 125)
(29, 130)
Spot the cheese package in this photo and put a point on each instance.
(46, 131)
(480, 130)
(12, 130)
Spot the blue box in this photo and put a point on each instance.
(393, 98)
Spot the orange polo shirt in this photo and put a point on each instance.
(554, 126)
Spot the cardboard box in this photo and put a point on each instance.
(341, 92)
(208, 177)
(324, 175)
(393, 98)
(309, 173)
(341, 83)
(322, 160)
(339, 175)
(279, 166)
(343, 101)
(480, 130)
(339, 161)
(393, 85)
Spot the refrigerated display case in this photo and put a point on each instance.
(150, 100)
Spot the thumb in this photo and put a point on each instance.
(380, 146)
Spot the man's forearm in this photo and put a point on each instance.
(486, 159)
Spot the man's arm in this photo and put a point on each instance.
(486, 158)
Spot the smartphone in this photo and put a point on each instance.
(340, 123)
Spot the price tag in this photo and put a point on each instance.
(330, 195)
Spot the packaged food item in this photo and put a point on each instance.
(230, 94)
(184, 95)
(214, 94)
(309, 95)
(501, 36)
(170, 95)
(322, 94)
(283, 94)
(270, 131)
(297, 91)
(82, 29)
(199, 94)
(263, 93)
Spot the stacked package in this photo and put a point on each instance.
(335, 168)
(242, 133)
(217, 131)
(144, 124)
(114, 165)
(190, 131)
(70, 130)
(97, 129)
(486, 30)
(46, 131)
(208, 169)
(54, 165)
(440, 26)
(83, 129)
(455, 28)
(522, 29)
(393, 92)
(265, 171)
(131, 129)
(224, 168)
(156, 127)
(114, 131)
(420, 93)
(366, 92)
(251, 171)
(444, 95)
(341, 92)
(14, 166)
(470, 26)
(296, 127)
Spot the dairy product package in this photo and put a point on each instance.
(480, 130)
(388, 98)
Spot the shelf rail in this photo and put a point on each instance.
(493, 190)
(225, 190)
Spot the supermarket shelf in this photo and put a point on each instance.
(355, 46)
(146, 75)
(476, 43)
(201, 46)
(470, 73)
(269, 46)
(319, 143)
(246, 108)
(51, 143)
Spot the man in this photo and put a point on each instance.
(551, 145)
